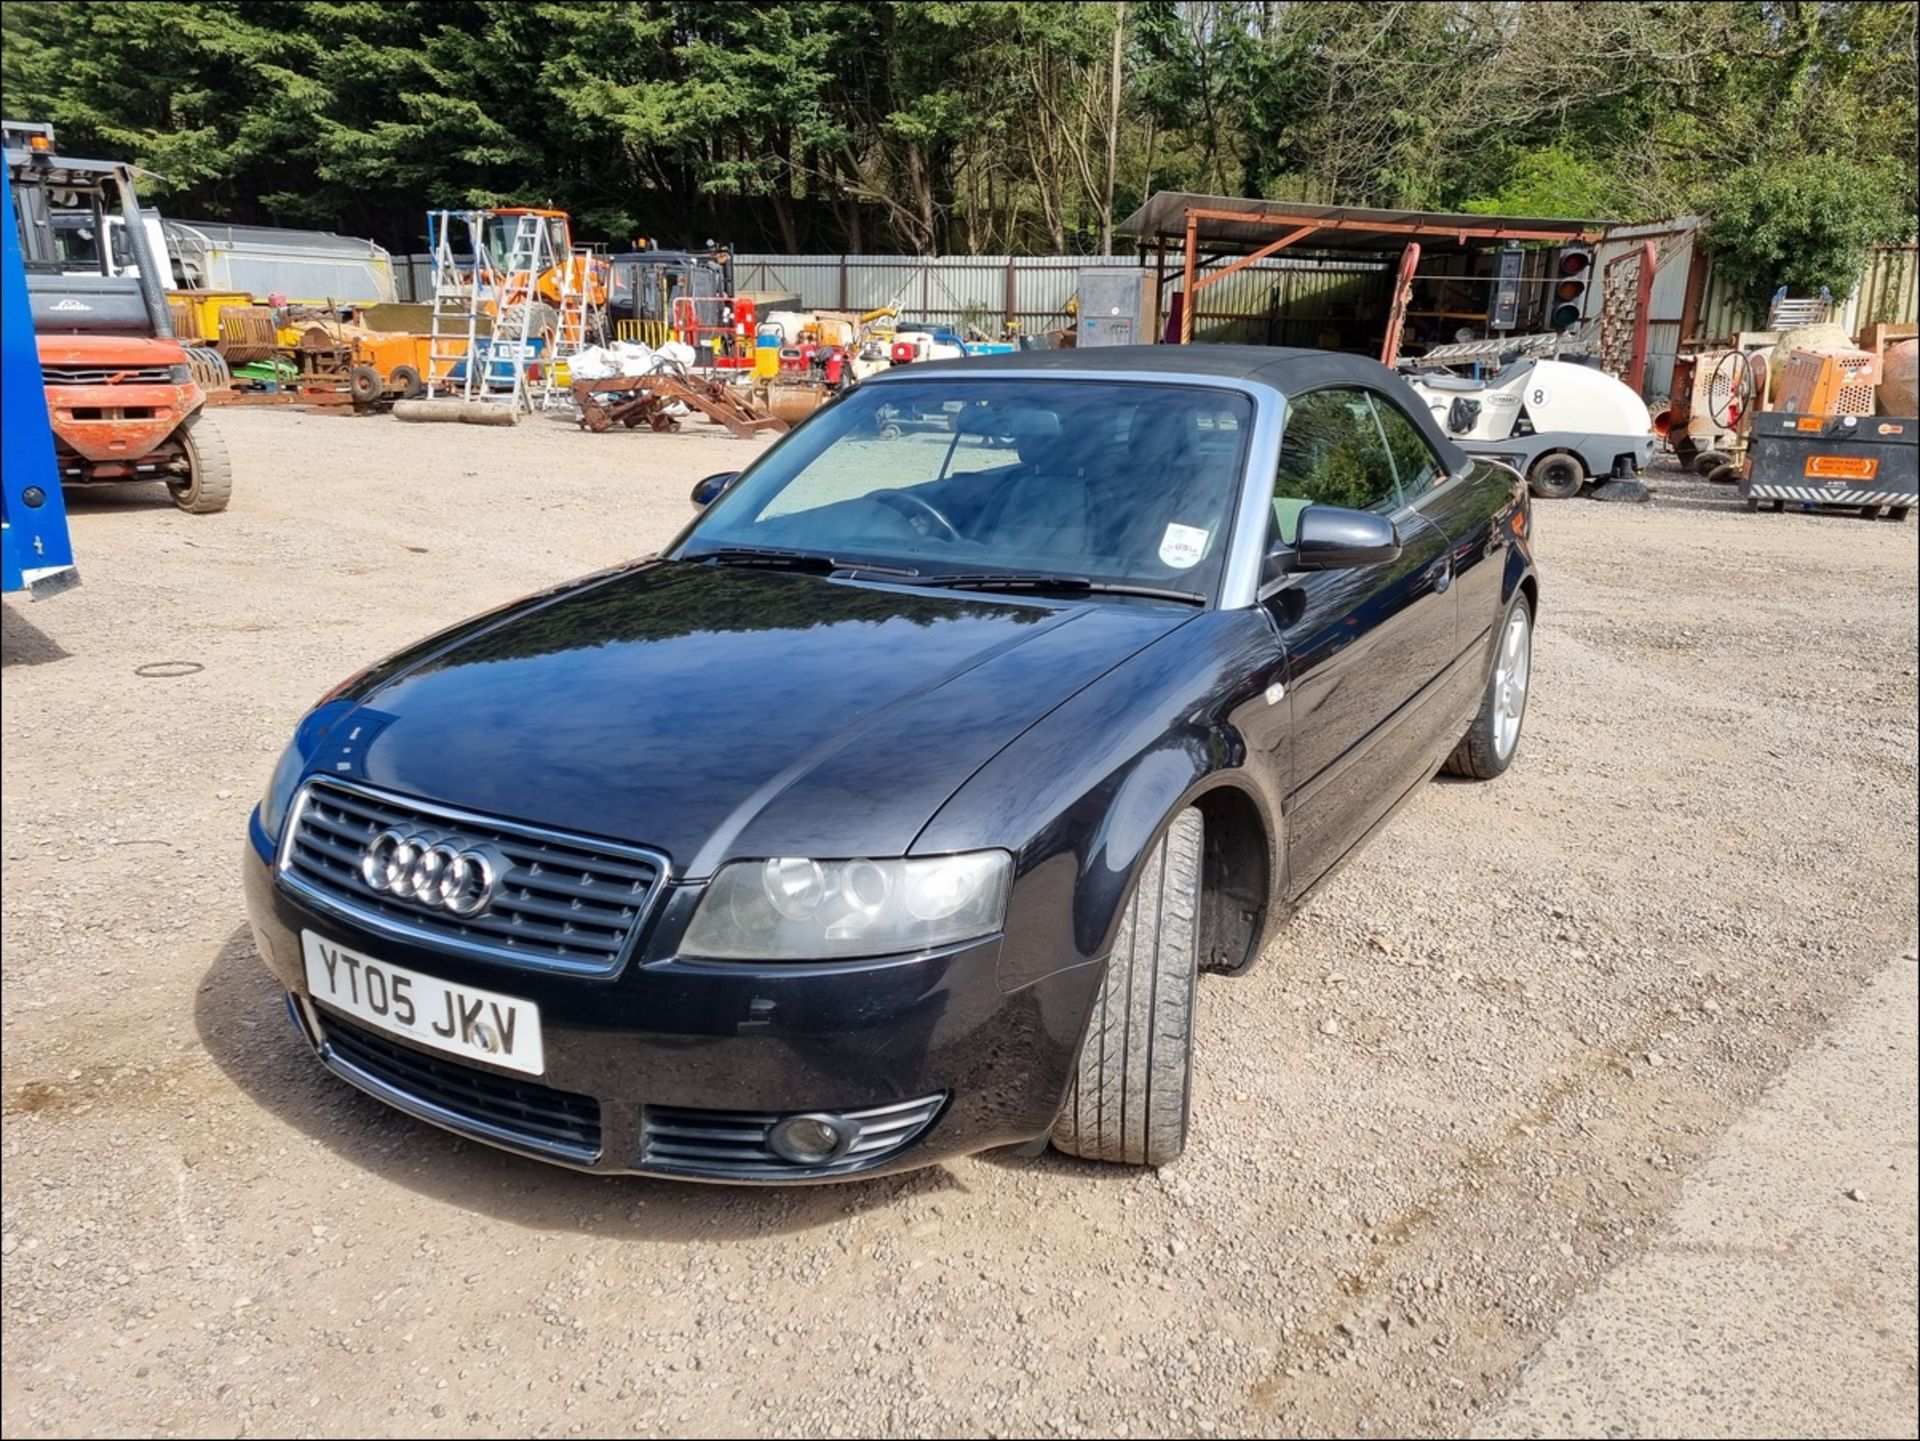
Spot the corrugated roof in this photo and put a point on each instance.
(1344, 227)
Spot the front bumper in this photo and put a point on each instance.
(119, 423)
(929, 1048)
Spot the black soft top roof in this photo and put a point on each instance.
(1289, 370)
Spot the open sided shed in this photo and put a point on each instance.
(1443, 262)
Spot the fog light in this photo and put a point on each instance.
(812, 1140)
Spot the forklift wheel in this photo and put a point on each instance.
(1558, 476)
(364, 385)
(406, 380)
(209, 480)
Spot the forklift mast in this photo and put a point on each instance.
(36, 553)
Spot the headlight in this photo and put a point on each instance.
(280, 789)
(793, 909)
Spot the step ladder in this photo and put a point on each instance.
(481, 327)
(1548, 346)
(579, 324)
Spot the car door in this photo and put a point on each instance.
(1474, 508)
(1362, 646)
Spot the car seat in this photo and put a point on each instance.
(1169, 481)
(1043, 507)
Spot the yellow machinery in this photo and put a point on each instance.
(224, 320)
(573, 273)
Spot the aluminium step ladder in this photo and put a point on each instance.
(481, 331)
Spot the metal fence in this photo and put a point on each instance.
(1293, 300)
(1288, 301)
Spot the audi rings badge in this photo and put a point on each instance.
(429, 872)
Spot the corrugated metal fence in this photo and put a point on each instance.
(1274, 302)
(1296, 300)
(1290, 301)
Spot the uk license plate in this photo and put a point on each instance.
(462, 1021)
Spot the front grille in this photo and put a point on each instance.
(498, 1108)
(734, 1143)
(561, 902)
(105, 375)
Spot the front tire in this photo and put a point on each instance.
(1493, 740)
(1130, 1095)
(208, 483)
(1557, 476)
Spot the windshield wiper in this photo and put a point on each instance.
(1042, 581)
(767, 556)
(773, 559)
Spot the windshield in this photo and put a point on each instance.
(1128, 482)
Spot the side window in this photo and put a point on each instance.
(1332, 454)
(1418, 468)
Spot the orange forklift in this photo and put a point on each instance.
(120, 394)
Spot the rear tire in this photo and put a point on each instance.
(209, 480)
(1493, 740)
(364, 385)
(1557, 476)
(406, 380)
(1131, 1091)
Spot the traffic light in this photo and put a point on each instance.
(1572, 273)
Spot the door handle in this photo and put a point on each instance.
(1441, 573)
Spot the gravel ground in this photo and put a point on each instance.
(1460, 1089)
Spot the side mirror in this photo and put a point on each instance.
(1330, 537)
(707, 490)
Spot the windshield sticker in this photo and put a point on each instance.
(1182, 546)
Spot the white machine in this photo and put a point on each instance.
(1557, 423)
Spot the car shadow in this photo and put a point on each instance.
(240, 1016)
(24, 643)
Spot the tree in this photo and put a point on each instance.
(1804, 223)
(984, 126)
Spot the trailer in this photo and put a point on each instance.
(308, 267)
(1864, 463)
(36, 552)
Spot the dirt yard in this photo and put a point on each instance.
(1464, 1087)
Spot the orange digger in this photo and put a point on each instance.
(570, 274)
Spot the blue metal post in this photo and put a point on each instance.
(36, 553)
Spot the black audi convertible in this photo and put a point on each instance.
(893, 810)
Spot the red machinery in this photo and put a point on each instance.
(809, 375)
(720, 328)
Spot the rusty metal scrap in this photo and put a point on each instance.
(634, 400)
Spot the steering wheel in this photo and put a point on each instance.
(1725, 412)
(918, 509)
